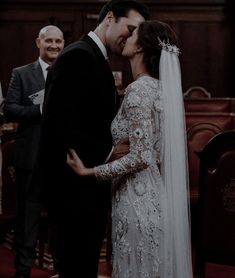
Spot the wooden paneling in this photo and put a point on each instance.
(19, 28)
(224, 120)
(214, 105)
(203, 27)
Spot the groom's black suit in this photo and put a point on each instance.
(79, 106)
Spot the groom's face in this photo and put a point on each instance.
(120, 29)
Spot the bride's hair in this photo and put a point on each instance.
(150, 33)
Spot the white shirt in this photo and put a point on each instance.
(99, 43)
(102, 48)
(44, 67)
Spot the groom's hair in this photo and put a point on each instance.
(121, 8)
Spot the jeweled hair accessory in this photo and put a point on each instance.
(168, 47)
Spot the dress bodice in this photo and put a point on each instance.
(138, 120)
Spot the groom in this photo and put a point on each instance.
(79, 106)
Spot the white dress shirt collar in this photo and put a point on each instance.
(99, 43)
(44, 67)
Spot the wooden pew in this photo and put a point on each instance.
(197, 137)
(201, 127)
(216, 226)
(225, 121)
(210, 105)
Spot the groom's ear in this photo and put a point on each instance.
(109, 16)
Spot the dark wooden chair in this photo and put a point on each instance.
(216, 214)
(7, 218)
(197, 137)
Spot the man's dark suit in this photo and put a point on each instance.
(19, 108)
(79, 106)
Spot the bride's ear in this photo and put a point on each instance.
(139, 49)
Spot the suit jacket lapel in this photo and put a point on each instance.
(38, 75)
(95, 47)
(99, 55)
(102, 61)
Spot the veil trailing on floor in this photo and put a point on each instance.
(174, 167)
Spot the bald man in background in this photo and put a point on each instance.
(23, 105)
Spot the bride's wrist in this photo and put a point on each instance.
(89, 172)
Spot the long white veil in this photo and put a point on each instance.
(174, 167)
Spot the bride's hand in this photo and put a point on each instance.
(77, 165)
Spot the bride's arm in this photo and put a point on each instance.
(77, 165)
(141, 153)
(74, 161)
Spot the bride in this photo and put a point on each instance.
(150, 215)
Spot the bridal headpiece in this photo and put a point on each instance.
(168, 47)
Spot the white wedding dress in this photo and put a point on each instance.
(139, 216)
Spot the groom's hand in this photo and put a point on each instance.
(121, 149)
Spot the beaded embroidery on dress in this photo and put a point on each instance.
(138, 191)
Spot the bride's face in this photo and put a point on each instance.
(131, 47)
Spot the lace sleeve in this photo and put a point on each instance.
(138, 112)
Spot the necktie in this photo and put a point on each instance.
(47, 69)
